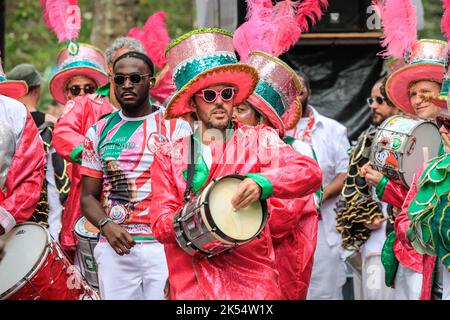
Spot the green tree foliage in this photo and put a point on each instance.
(27, 40)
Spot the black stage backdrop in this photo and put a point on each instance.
(341, 78)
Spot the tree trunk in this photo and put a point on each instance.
(113, 18)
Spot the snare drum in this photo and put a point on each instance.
(397, 148)
(34, 267)
(87, 235)
(210, 225)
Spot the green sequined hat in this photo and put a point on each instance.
(205, 58)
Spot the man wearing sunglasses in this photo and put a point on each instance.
(210, 82)
(79, 115)
(360, 213)
(408, 89)
(118, 152)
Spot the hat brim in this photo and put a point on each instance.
(242, 76)
(264, 108)
(59, 80)
(13, 89)
(397, 85)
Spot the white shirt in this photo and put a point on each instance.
(330, 143)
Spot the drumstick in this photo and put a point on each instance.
(425, 154)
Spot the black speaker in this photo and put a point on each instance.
(345, 16)
(341, 16)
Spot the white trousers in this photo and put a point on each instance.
(373, 284)
(445, 283)
(408, 284)
(139, 275)
(328, 274)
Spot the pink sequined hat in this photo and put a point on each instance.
(12, 88)
(205, 58)
(426, 61)
(277, 90)
(77, 59)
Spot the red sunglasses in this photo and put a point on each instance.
(210, 95)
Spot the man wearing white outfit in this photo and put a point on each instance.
(329, 140)
(117, 155)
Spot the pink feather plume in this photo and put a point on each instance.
(445, 23)
(62, 17)
(310, 10)
(399, 26)
(254, 33)
(286, 31)
(154, 36)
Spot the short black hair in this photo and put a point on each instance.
(137, 55)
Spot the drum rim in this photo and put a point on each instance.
(218, 234)
(36, 267)
(80, 235)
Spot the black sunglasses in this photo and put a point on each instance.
(134, 78)
(443, 122)
(378, 100)
(87, 89)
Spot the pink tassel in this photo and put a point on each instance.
(254, 33)
(154, 36)
(399, 27)
(312, 10)
(287, 32)
(62, 17)
(445, 23)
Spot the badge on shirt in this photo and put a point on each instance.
(118, 213)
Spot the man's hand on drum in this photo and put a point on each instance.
(248, 192)
(119, 239)
(375, 224)
(371, 175)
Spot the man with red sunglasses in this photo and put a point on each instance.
(210, 82)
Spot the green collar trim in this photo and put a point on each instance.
(104, 90)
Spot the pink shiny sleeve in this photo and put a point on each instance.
(395, 194)
(402, 221)
(292, 175)
(68, 135)
(25, 177)
(165, 201)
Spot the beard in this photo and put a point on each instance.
(130, 106)
(218, 124)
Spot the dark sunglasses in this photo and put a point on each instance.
(443, 122)
(210, 95)
(76, 89)
(134, 78)
(378, 100)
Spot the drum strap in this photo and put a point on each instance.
(190, 169)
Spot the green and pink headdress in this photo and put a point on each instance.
(269, 31)
(425, 59)
(204, 58)
(64, 19)
(12, 88)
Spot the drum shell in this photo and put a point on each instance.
(86, 248)
(52, 278)
(195, 228)
(387, 151)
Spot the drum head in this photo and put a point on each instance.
(25, 246)
(426, 135)
(86, 229)
(241, 224)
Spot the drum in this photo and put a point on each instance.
(398, 147)
(34, 267)
(87, 235)
(210, 225)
